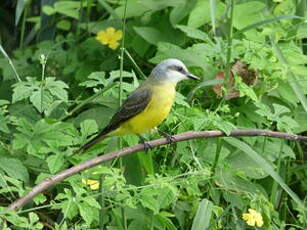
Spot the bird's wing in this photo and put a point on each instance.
(132, 106)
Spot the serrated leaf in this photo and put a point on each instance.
(21, 91)
(98, 78)
(39, 199)
(225, 126)
(33, 217)
(88, 127)
(91, 201)
(3, 124)
(181, 100)
(14, 168)
(55, 162)
(87, 212)
(57, 88)
(40, 100)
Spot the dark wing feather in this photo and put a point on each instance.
(132, 106)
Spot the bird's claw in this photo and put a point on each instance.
(147, 146)
(170, 139)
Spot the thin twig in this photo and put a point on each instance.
(48, 182)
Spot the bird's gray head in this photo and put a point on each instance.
(171, 70)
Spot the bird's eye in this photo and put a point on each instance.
(180, 69)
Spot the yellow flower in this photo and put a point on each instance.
(94, 184)
(109, 37)
(253, 218)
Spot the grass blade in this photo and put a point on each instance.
(262, 162)
(204, 84)
(203, 215)
(267, 21)
(20, 7)
(294, 83)
(10, 62)
(212, 14)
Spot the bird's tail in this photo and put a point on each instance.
(91, 143)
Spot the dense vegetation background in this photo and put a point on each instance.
(65, 66)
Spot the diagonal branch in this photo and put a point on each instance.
(48, 182)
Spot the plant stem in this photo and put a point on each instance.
(10, 62)
(229, 48)
(23, 26)
(217, 154)
(100, 92)
(43, 61)
(101, 202)
(134, 63)
(121, 68)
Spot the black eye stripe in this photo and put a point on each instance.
(180, 69)
(177, 68)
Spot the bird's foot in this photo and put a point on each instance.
(146, 145)
(170, 139)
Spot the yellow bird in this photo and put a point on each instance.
(148, 105)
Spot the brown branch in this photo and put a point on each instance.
(48, 182)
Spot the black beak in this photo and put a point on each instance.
(191, 76)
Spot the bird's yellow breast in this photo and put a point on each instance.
(156, 111)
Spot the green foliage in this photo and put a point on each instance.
(59, 86)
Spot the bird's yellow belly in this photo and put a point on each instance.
(155, 112)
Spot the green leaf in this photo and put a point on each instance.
(68, 8)
(48, 10)
(194, 33)
(88, 127)
(70, 13)
(41, 101)
(87, 212)
(97, 78)
(55, 162)
(181, 10)
(63, 25)
(33, 217)
(151, 35)
(181, 100)
(202, 218)
(165, 221)
(91, 202)
(22, 91)
(192, 56)
(19, 10)
(302, 31)
(264, 22)
(67, 5)
(247, 13)
(14, 168)
(202, 85)
(200, 15)
(3, 123)
(262, 162)
(39, 199)
(57, 88)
